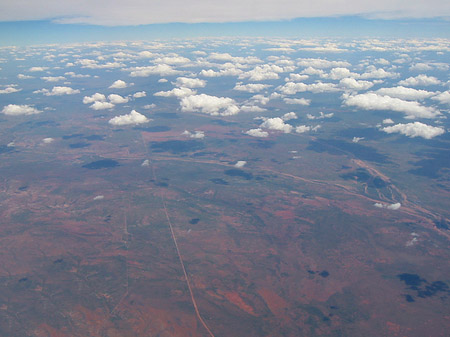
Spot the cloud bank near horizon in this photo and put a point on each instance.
(141, 12)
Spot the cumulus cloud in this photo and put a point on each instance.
(276, 124)
(373, 72)
(340, 73)
(37, 69)
(415, 129)
(372, 101)
(408, 94)
(195, 134)
(119, 84)
(443, 97)
(240, 163)
(262, 73)
(420, 80)
(393, 207)
(212, 105)
(48, 140)
(133, 118)
(117, 99)
(73, 75)
(53, 78)
(24, 77)
(357, 139)
(176, 92)
(145, 163)
(291, 88)
(190, 82)
(139, 94)
(257, 133)
(306, 128)
(321, 63)
(352, 84)
(159, 69)
(17, 110)
(251, 87)
(97, 97)
(388, 121)
(9, 90)
(288, 116)
(299, 101)
(321, 115)
(296, 78)
(98, 105)
(58, 91)
(99, 197)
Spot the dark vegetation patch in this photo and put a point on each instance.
(239, 173)
(409, 298)
(162, 184)
(74, 135)
(363, 176)
(340, 147)
(100, 164)
(436, 163)
(263, 144)
(422, 287)
(79, 145)
(177, 146)
(94, 137)
(219, 181)
(442, 224)
(324, 273)
(23, 188)
(194, 221)
(6, 149)
(156, 128)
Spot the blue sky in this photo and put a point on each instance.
(46, 31)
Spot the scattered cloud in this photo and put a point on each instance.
(321, 115)
(37, 69)
(133, 118)
(97, 97)
(408, 94)
(24, 77)
(176, 92)
(48, 140)
(357, 139)
(251, 87)
(58, 91)
(139, 94)
(119, 84)
(240, 163)
(117, 99)
(159, 69)
(9, 90)
(306, 128)
(257, 133)
(17, 110)
(443, 97)
(288, 116)
(415, 129)
(212, 105)
(299, 101)
(53, 78)
(187, 82)
(291, 88)
(276, 124)
(373, 101)
(393, 207)
(99, 197)
(420, 80)
(145, 163)
(195, 134)
(98, 105)
(352, 84)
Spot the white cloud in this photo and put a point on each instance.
(24, 77)
(443, 97)
(296, 78)
(379, 73)
(240, 163)
(415, 129)
(291, 88)
(176, 92)
(321, 63)
(420, 80)
(313, 71)
(299, 101)
(195, 134)
(257, 133)
(48, 140)
(340, 73)
(190, 82)
(321, 115)
(117, 99)
(9, 90)
(388, 121)
(352, 84)
(159, 69)
(372, 101)
(262, 73)
(303, 128)
(252, 108)
(17, 110)
(357, 139)
(53, 78)
(133, 118)
(58, 91)
(36, 69)
(139, 94)
(119, 84)
(393, 207)
(212, 105)
(73, 75)
(145, 163)
(277, 124)
(99, 197)
(98, 105)
(408, 94)
(251, 87)
(97, 97)
(149, 106)
(288, 116)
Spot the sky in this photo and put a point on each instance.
(25, 22)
